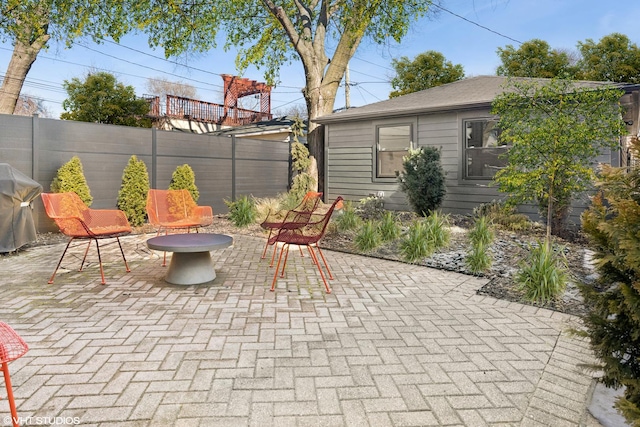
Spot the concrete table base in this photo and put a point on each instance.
(191, 261)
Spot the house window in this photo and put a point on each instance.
(483, 151)
(393, 144)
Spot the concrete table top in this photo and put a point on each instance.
(191, 261)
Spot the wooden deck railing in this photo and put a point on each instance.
(193, 109)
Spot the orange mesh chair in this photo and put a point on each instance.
(175, 210)
(274, 220)
(79, 222)
(12, 347)
(304, 233)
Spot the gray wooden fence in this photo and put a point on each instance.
(225, 168)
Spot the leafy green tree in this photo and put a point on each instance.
(556, 129)
(100, 98)
(70, 178)
(426, 70)
(422, 180)
(29, 25)
(322, 34)
(614, 58)
(132, 197)
(534, 58)
(613, 320)
(183, 178)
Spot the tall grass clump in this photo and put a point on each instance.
(368, 237)
(543, 275)
(348, 220)
(437, 229)
(415, 245)
(388, 227)
(481, 236)
(242, 212)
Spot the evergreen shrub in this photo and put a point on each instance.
(132, 197)
(422, 180)
(70, 178)
(183, 178)
(613, 321)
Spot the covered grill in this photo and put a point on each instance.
(17, 191)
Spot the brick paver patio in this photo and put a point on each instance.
(394, 344)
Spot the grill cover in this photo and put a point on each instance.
(17, 191)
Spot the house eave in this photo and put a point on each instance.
(378, 115)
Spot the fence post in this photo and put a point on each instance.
(154, 157)
(35, 152)
(233, 168)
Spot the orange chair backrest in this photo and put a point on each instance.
(169, 205)
(63, 208)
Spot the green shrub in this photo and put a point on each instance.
(132, 197)
(543, 275)
(481, 233)
(242, 212)
(504, 215)
(70, 178)
(481, 236)
(416, 245)
(478, 259)
(613, 301)
(183, 178)
(388, 227)
(422, 180)
(302, 184)
(347, 219)
(367, 238)
(437, 230)
(371, 207)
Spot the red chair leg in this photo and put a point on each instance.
(313, 255)
(286, 257)
(12, 403)
(59, 262)
(275, 274)
(123, 257)
(100, 262)
(266, 245)
(84, 258)
(324, 260)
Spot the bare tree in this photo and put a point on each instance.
(28, 105)
(161, 86)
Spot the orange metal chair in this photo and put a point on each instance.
(79, 222)
(12, 347)
(176, 210)
(304, 233)
(274, 220)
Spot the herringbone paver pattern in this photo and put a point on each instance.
(394, 344)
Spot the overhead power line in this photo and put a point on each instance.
(475, 23)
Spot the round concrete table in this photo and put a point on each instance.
(191, 261)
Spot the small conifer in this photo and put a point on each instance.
(184, 178)
(132, 197)
(70, 178)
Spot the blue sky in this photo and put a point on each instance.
(562, 23)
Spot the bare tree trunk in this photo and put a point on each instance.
(23, 57)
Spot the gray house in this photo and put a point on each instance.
(364, 146)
